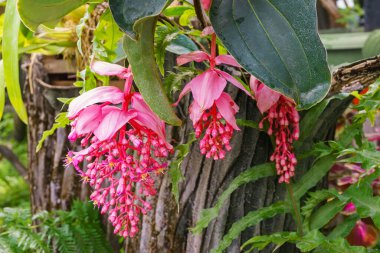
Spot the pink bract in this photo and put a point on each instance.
(283, 121)
(123, 145)
(212, 111)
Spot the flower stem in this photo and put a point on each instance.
(295, 207)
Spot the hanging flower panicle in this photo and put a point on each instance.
(283, 121)
(213, 110)
(124, 143)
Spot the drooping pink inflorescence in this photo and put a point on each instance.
(212, 111)
(283, 120)
(124, 142)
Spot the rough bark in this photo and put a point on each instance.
(52, 186)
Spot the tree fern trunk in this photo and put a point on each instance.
(52, 186)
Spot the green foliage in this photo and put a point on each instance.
(61, 121)
(261, 242)
(175, 165)
(107, 41)
(53, 10)
(78, 230)
(170, 38)
(248, 176)
(10, 59)
(174, 80)
(251, 219)
(361, 194)
(372, 45)
(315, 199)
(258, 35)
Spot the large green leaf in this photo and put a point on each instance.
(10, 58)
(47, 12)
(128, 13)
(140, 54)
(276, 41)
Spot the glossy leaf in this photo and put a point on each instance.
(129, 13)
(2, 89)
(10, 59)
(248, 176)
(277, 42)
(140, 54)
(47, 12)
(251, 219)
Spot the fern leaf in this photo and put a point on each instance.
(250, 175)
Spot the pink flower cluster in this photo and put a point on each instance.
(283, 120)
(124, 142)
(213, 110)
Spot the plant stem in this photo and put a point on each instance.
(295, 207)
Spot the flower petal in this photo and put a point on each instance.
(88, 119)
(206, 4)
(227, 59)
(265, 97)
(113, 119)
(109, 69)
(228, 109)
(206, 88)
(98, 95)
(195, 112)
(197, 56)
(233, 81)
(149, 118)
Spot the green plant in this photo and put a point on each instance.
(78, 230)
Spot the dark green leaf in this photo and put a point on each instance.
(276, 41)
(47, 12)
(140, 54)
(128, 13)
(250, 175)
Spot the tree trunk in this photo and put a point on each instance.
(166, 228)
(52, 186)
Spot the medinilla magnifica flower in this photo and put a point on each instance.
(283, 120)
(124, 142)
(213, 110)
(206, 4)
